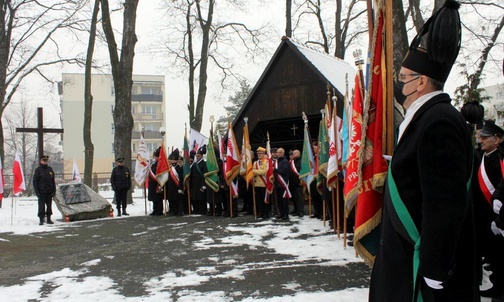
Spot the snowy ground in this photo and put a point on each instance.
(79, 285)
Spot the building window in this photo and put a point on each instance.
(113, 128)
(150, 127)
(112, 90)
(151, 90)
(151, 147)
(146, 109)
(134, 148)
(133, 109)
(112, 147)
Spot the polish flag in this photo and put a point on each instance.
(19, 180)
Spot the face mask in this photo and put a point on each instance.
(401, 86)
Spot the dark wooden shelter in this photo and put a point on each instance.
(296, 80)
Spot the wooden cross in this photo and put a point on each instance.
(40, 130)
(294, 129)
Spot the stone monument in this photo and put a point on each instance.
(80, 202)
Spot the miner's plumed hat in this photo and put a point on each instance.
(473, 112)
(156, 152)
(44, 157)
(491, 129)
(174, 155)
(436, 46)
(202, 150)
(261, 149)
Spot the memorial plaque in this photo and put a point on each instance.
(74, 193)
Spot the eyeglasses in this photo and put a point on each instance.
(402, 76)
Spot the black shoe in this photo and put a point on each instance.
(492, 292)
(125, 214)
(293, 212)
(49, 221)
(41, 222)
(118, 213)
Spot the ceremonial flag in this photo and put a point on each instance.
(1, 179)
(163, 167)
(323, 149)
(248, 173)
(196, 140)
(306, 174)
(18, 185)
(350, 189)
(75, 172)
(187, 167)
(345, 133)
(270, 178)
(222, 147)
(334, 150)
(142, 164)
(374, 166)
(232, 161)
(211, 178)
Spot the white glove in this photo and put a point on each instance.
(497, 204)
(433, 283)
(180, 192)
(204, 187)
(495, 229)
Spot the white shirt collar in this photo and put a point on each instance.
(410, 112)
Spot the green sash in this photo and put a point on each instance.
(409, 225)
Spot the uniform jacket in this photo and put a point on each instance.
(197, 180)
(173, 188)
(260, 168)
(120, 178)
(155, 192)
(431, 166)
(283, 170)
(43, 180)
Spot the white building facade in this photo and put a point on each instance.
(147, 109)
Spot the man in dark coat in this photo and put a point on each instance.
(45, 188)
(295, 184)
(489, 175)
(120, 179)
(155, 191)
(175, 185)
(197, 182)
(281, 172)
(427, 233)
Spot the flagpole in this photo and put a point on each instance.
(336, 222)
(189, 198)
(231, 199)
(12, 208)
(389, 50)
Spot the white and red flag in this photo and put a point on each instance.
(18, 184)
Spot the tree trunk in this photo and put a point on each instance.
(203, 64)
(122, 73)
(400, 36)
(88, 102)
(192, 66)
(288, 18)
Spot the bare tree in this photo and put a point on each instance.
(21, 114)
(88, 100)
(204, 43)
(28, 28)
(346, 16)
(122, 73)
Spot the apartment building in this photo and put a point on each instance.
(496, 95)
(147, 109)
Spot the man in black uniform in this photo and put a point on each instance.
(197, 182)
(282, 172)
(155, 191)
(45, 188)
(175, 185)
(121, 183)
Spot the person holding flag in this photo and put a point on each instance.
(281, 172)
(175, 185)
(197, 182)
(45, 188)
(155, 190)
(260, 169)
(427, 247)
